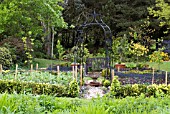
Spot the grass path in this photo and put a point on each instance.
(43, 63)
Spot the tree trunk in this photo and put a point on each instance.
(48, 40)
(52, 43)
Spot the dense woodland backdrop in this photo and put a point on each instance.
(32, 28)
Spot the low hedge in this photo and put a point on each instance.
(11, 86)
(137, 89)
(122, 91)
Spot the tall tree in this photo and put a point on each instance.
(31, 18)
(162, 11)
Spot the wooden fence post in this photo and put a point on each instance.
(73, 71)
(58, 70)
(153, 76)
(118, 69)
(37, 67)
(113, 74)
(76, 72)
(81, 75)
(31, 68)
(16, 71)
(1, 68)
(166, 78)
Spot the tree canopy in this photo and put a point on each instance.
(24, 17)
(162, 12)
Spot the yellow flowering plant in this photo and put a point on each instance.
(138, 50)
(159, 56)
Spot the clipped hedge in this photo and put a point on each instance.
(122, 91)
(11, 86)
(137, 89)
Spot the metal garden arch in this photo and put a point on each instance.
(94, 19)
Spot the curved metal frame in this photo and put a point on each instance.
(96, 20)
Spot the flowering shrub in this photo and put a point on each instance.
(158, 56)
(138, 50)
(165, 56)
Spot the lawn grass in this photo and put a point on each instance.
(165, 66)
(43, 63)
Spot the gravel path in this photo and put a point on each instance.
(89, 92)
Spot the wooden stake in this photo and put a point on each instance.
(76, 72)
(16, 71)
(73, 71)
(31, 67)
(153, 76)
(37, 67)
(166, 78)
(58, 70)
(81, 75)
(113, 74)
(118, 69)
(1, 68)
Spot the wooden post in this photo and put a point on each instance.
(1, 68)
(76, 72)
(73, 71)
(37, 67)
(81, 75)
(118, 69)
(58, 70)
(31, 67)
(166, 78)
(113, 74)
(153, 76)
(16, 71)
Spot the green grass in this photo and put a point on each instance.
(165, 66)
(43, 63)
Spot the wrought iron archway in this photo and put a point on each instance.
(94, 19)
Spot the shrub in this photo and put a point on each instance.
(5, 57)
(135, 90)
(159, 56)
(105, 72)
(60, 50)
(115, 85)
(12, 86)
(16, 48)
(138, 89)
(73, 89)
(106, 83)
(38, 55)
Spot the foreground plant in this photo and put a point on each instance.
(29, 104)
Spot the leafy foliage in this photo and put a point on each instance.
(73, 88)
(49, 104)
(159, 56)
(25, 18)
(40, 77)
(106, 83)
(161, 10)
(32, 88)
(60, 50)
(5, 57)
(120, 48)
